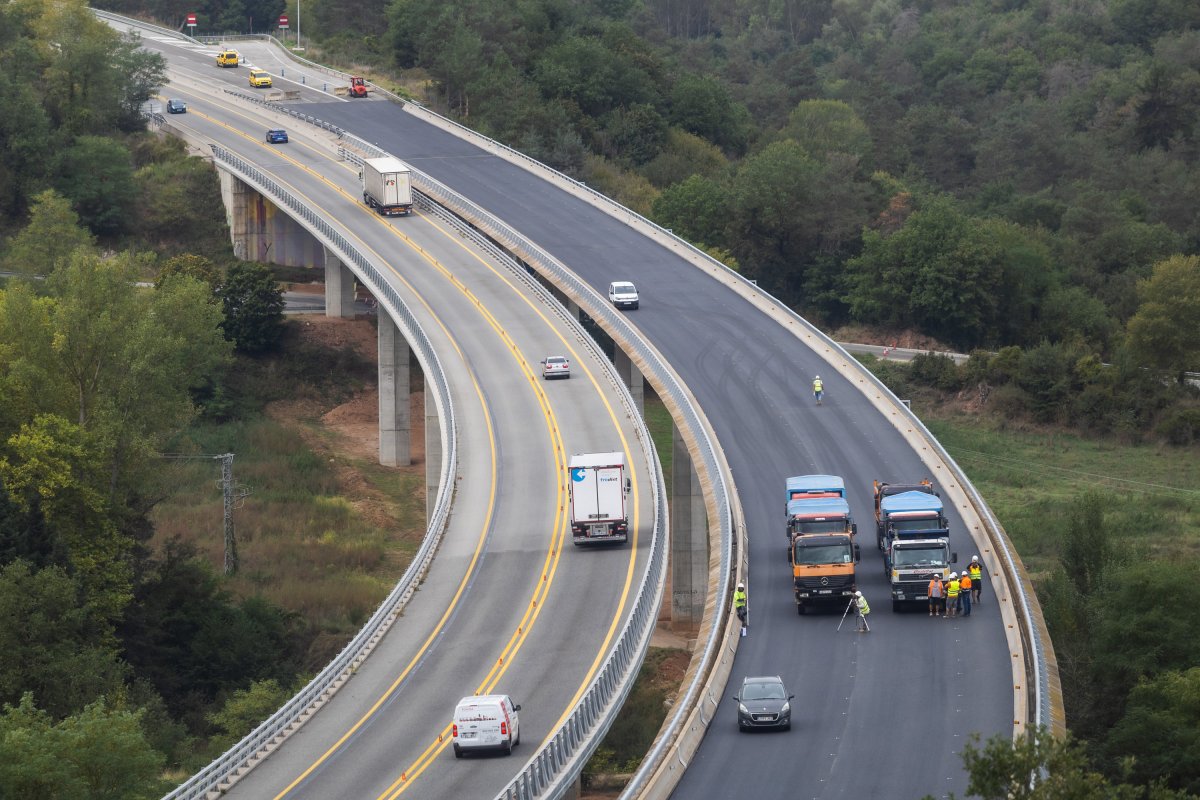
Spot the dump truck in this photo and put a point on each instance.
(598, 486)
(821, 541)
(886, 490)
(387, 186)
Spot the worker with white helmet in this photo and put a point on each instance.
(860, 619)
(975, 570)
(953, 588)
(818, 388)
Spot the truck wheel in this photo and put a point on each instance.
(800, 609)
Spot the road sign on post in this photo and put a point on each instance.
(191, 22)
(283, 21)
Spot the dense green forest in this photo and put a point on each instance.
(1016, 180)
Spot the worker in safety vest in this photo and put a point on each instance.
(964, 594)
(818, 388)
(739, 602)
(860, 619)
(975, 570)
(952, 591)
(937, 596)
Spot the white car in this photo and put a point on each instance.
(556, 367)
(486, 722)
(623, 294)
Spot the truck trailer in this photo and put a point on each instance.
(598, 487)
(387, 186)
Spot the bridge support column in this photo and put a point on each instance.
(394, 387)
(631, 376)
(339, 287)
(236, 195)
(573, 310)
(433, 453)
(689, 538)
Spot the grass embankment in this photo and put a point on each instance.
(325, 531)
(1030, 478)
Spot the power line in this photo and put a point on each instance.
(234, 497)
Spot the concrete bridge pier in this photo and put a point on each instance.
(395, 424)
(339, 287)
(260, 231)
(433, 453)
(689, 539)
(631, 376)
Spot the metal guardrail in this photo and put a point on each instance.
(320, 688)
(554, 768)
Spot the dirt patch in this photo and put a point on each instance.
(906, 339)
(348, 434)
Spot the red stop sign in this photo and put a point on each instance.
(283, 20)
(191, 19)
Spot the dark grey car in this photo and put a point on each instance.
(764, 702)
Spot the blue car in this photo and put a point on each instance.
(277, 136)
(176, 106)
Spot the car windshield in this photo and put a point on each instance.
(762, 691)
(623, 288)
(822, 553)
(556, 361)
(919, 557)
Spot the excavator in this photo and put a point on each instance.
(358, 87)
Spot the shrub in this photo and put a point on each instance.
(1179, 426)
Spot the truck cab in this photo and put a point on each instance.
(823, 569)
(912, 563)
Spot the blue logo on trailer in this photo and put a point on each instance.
(578, 474)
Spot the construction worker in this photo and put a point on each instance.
(964, 594)
(739, 602)
(818, 388)
(937, 596)
(860, 619)
(952, 591)
(975, 570)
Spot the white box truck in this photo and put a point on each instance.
(598, 487)
(387, 186)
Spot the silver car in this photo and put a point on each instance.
(556, 367)
(764, 702)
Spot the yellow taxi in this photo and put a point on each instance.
(227, 58)
(259, 78)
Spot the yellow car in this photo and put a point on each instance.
(259, 78)
(227, 58)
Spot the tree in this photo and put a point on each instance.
(703, 106)
(1036, 767)
(822, 127)
(52, 234)
(693, 209)
(245, 709)
(1160, 732)
(1165, 331)
(51, 644)
(191, 266)
(253, 305)
(96, 175)
(100, 753)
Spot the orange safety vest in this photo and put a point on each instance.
(952, 588)
(965, 583)
(936, 586)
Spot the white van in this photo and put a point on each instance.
(623, 294)
(486, 722)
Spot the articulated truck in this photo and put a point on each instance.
(821, 546)
(387, 186)
(598, 487)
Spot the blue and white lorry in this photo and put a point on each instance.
(598, 486)
(915, 538)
